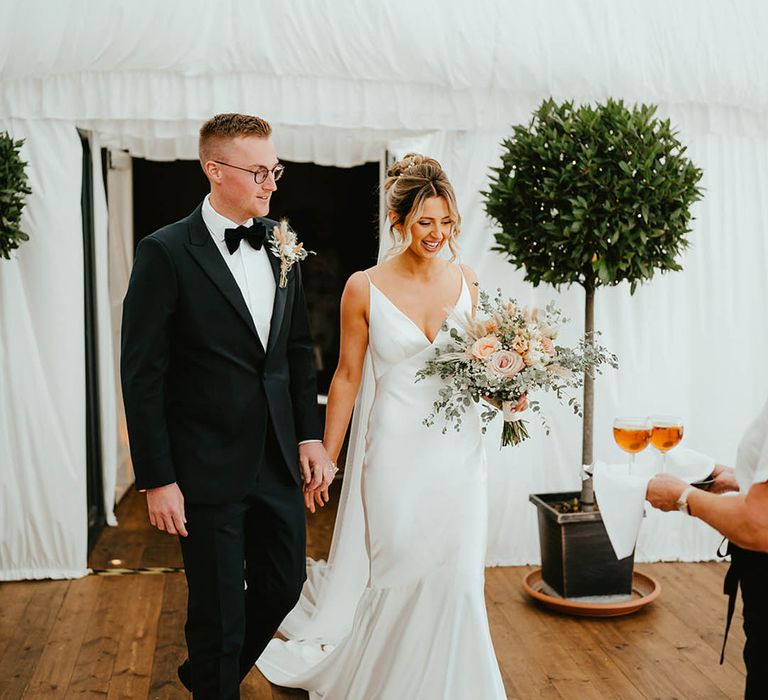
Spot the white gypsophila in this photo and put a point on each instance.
(533, 358)
(548, 332)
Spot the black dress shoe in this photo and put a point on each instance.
(185, 675)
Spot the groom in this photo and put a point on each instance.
(221, 401)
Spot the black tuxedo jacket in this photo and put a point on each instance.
(198, 386)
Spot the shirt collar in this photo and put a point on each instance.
(215, 222)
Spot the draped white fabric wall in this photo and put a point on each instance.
(43, 520)
(339, 82)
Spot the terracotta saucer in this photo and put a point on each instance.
(645, 589)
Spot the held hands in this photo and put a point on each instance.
(318, 471)
(166, 509)
(317, 498)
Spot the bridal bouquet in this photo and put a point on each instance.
(502, 355)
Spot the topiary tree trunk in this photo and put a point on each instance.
(587, 442)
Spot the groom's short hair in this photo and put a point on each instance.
(228, 126)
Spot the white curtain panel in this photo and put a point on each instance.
(690, 343)
(339, 80)
(108, 398)
(43, 526)
(120, 206)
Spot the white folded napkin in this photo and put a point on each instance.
(621, 497)
(688, 465)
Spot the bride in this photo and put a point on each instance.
(420, 628)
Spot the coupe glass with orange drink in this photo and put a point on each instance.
(666, 433)
(632, 434)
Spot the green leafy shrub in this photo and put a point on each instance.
(13, 189)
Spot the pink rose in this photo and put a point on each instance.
(547, 346)
(485, 346)
(506, 364)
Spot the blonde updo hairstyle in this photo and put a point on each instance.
(409, 183)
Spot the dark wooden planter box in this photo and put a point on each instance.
(577, 558)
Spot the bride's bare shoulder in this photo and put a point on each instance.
(380, 273)
(358, 281)
(357, 289)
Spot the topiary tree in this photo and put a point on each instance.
(13, 189)
(593, 196)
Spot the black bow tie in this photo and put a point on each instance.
(255, 235)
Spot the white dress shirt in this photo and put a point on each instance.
(752, 455)
(250, 268)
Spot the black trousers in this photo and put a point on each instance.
(750, 571)
(260, 543)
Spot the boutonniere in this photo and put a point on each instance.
(285, 246)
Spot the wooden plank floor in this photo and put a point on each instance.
(121, 637)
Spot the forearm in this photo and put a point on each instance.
(733, 516)
(341, 402)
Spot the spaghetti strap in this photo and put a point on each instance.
(465, 284)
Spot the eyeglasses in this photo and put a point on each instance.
(261, 173)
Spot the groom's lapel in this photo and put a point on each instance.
(204, 251)
(281, 293)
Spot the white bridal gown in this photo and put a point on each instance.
(420, 630)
